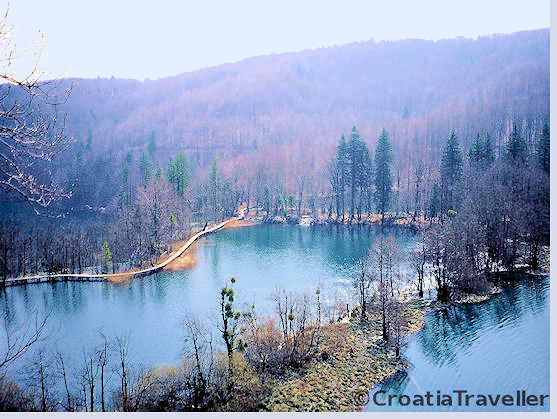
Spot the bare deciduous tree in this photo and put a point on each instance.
(418, 259)
(361, 281)
(31, 131)
(69, 404)
(199, 363)
(19, 339)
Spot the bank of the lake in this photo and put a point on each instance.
(320, 218)
(151, 310)
(497, 346)
(355, 359)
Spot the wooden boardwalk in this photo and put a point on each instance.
(44, 278)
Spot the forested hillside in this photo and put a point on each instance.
(299, 104)
(148, 158)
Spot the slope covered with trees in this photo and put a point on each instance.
(298, 104)
(428, 120)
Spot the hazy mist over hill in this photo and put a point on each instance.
(417, 89)
(277, 109)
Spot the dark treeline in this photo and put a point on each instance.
(500, 197)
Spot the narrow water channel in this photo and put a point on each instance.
(500, 346)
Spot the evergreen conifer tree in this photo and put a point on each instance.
(517, 149)
(383, 179)
(342, 151)
(435, 201)
(543, 149)
(145, 169)
(451, 170)
(488, 150)
(178, 173)
(476, 152)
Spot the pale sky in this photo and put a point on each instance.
(153, 39)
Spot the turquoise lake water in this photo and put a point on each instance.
(500, 344)
(151, 310)
(495, 347)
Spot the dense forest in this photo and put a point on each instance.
(450, 139)
(146, 159)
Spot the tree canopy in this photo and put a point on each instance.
(383, 179)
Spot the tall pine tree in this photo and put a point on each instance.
(358, 160)
(481, 153)
(476, 152)
(342, 167)
(365, 177)
(434, 201)
(488, 150)
(451, 170)
(178, 173)
(517, 149)
(543, 149)
(214, 190)
(383, 180)
(352, 157)
(145, 169)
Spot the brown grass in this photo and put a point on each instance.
(186, 260)
(239, 223)
(357, 362)
(123, 277)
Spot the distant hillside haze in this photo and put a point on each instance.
(278, 109)
(414, 88)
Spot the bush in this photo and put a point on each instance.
(13, 399)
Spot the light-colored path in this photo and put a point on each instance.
(32, 279)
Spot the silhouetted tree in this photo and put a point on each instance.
(451, 171)
(383, 180)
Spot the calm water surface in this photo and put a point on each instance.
(496, 347)
(501, 345)
(151, 310)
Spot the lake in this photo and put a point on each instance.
(500, 345)
(495, 347)
(151, 310)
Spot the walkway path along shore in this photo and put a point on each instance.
(43, 278)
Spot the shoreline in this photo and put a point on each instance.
(407, 221)
(243, 220)
(434, 305)
(359, 361)
(119, 277)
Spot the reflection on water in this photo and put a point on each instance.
(152, 309)
(498, 347)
